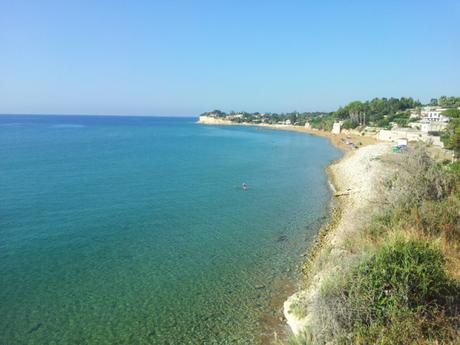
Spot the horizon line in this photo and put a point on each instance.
(119, 115)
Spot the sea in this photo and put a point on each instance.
(136, 230)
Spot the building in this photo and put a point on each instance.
(234, 116)
(436, 116)
(432, 126)
(395, 135)
(433, 114)
(336, 128)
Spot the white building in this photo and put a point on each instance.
(436, 116)
(235, 116)
(336, 128)
(433, 114)
(395, 135)
(432, 126)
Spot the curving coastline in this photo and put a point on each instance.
(336, 139)
(354, 177)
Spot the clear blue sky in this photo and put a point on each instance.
(185, 57)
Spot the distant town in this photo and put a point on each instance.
(387, 119)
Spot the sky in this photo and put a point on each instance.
(186, 57)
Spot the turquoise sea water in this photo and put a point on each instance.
(135, 230)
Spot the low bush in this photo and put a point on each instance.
(422, 196)
(400, 295)
(349, 124)
(430, 218)
(418, 178)
(438, 218)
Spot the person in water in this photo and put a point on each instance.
(245, 186)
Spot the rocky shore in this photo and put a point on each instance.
(354, 177)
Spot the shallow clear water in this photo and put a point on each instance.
(131, 230)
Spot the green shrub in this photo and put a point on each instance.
(439, 217)
(418, 178)
(455, 168)
(400, 294)
(349, 124)
(403, 274)
(429, 217)
(383, 123)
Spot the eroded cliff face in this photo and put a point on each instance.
(209, 120)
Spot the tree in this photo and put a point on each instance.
(293, 118)
(375, 110)
(451, 137)
(449, 102)
(349, 124)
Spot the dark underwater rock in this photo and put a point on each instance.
(282, 238)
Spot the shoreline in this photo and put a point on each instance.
(353, 175)
(343, 177)
(335, 139)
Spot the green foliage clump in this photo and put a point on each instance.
(441, 217)
(384, 123)
(403, 274)
(418, 178)
(455, 168)
(322, 122)
(422, 196)
(451, 137)
(216, 113)
(349, 124)
(449, 102)
(400, 295)
(378, 109)
(430, 218)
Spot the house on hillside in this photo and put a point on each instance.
(411, 135)
(432, 126)
(234, 116)
(433, 114)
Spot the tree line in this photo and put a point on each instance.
(379, 112)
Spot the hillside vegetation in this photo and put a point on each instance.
(378, 112)
(402, 283)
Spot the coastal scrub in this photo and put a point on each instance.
(395, 279)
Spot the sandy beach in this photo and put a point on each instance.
(336, 139)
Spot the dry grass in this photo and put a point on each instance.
(422, 211)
